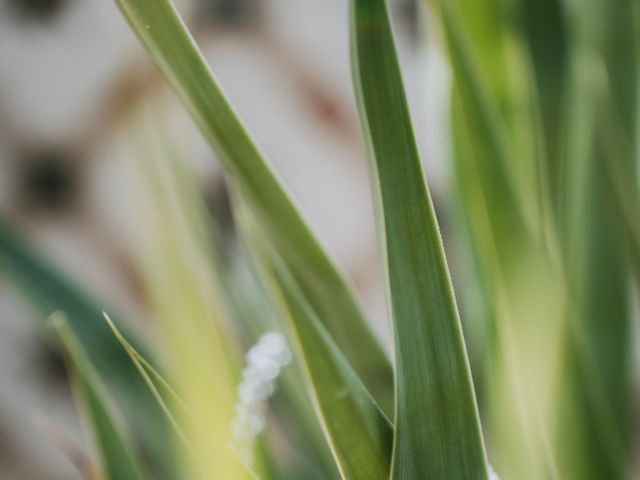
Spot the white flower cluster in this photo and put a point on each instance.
(492, 474)
(264, 362)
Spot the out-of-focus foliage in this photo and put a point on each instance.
(545, 110)
(117, 458)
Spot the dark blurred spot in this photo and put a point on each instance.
(47, 181)
(219, 204)
(409, 15)
(229, 13)
(49, 363)
(37, 11)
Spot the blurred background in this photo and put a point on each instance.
(76, 86)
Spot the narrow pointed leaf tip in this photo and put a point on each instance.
(166, 395)
(155, 382)
(437, 426)
(358, 432)
(117, 457)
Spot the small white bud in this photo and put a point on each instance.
(264, 360)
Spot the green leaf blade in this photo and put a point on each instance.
(116, 454)
(489, 135)
(437, 427)
(50, 290)
(359, 434)
(166, 38)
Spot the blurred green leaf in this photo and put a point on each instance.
(595, 435)
(545, 28)
(506, 204)
(164, 35)
(180, 273)
(360, 435)
(117, 456)
(310, 457)
(358, 432)
(159, 387)
(50, 290)
(490, 137)
(437, 427)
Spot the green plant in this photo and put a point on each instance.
(544, 121)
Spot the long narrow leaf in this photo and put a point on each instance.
(117, 456)
(491, 140)
(50, 290)
(180, 273)
(546, 33)
(358, 432)
(515, 254)
(595, 436)
(166, 38)
(437, 426)
(155, 381)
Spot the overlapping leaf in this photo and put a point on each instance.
(162, 32)
(50, 290)
(117, 460)
(602, 189)
(512, 233)
(358, 432)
